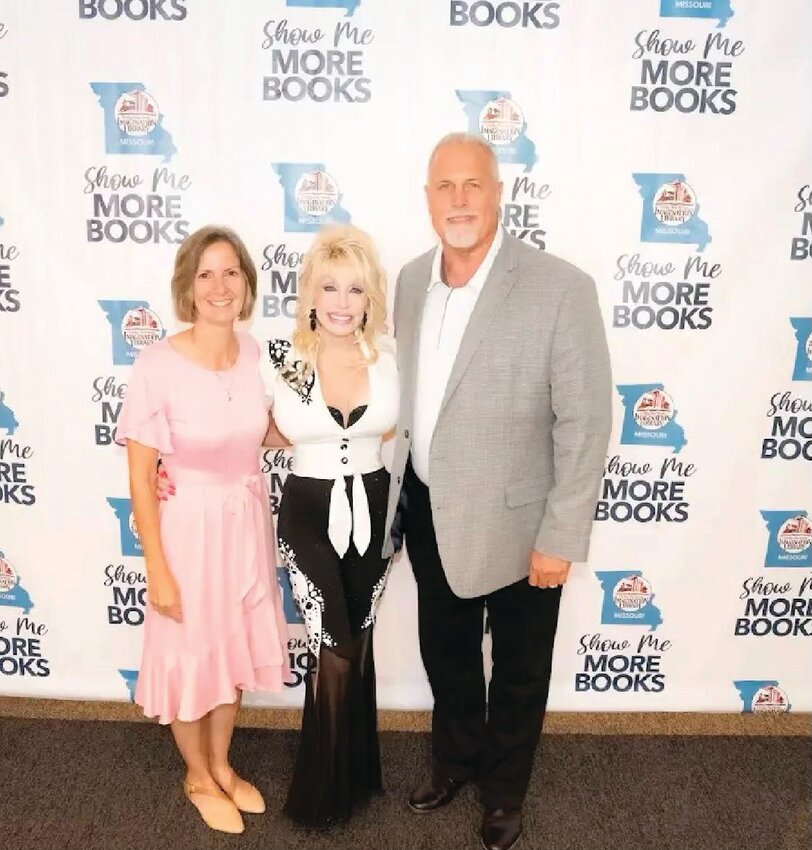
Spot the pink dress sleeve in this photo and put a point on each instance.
(143, 415)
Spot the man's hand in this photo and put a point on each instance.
(165, 487)
(547, 570)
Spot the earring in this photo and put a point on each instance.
(312, 318)
(364, 321)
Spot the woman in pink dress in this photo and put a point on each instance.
(214, 625)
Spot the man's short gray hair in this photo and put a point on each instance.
(468, 139)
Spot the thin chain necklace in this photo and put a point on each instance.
(225, 377)
(226, 385)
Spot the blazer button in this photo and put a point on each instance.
(406, 433)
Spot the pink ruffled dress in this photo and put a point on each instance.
(216, 531)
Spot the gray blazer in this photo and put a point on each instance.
(520, 442)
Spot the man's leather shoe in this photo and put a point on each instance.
(501, 828)
(433, 794)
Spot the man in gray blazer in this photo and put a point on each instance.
(504, 424)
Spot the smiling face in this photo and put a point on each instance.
(340, 299)
(463, 195)
(219, 285)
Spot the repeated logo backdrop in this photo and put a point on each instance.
(655, 143)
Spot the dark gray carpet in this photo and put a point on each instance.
(115, 786)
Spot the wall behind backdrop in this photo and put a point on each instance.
(662, 145)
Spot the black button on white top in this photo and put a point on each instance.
(406, 433)
(344, 460)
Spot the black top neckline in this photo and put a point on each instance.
(355, 414)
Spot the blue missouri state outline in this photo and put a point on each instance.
(649, 615)
(162, 143)
(748, 688)
(652, 230)
(803, 362)
(130, 680)
(349, 6)
(776, 556)
(673, 433)
(8, 419)
(720, 10)
(17, 597)
(288, 174)
(122, 508)
(473, 102)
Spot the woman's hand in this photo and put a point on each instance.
(165, 486)
(274, 438)
(164, 594)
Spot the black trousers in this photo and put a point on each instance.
(490, 739)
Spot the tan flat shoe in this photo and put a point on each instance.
(246, 797)
(218, 813)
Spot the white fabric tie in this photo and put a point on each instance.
(329, 460)
(346, 522)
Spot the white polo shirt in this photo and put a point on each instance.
(446, 313)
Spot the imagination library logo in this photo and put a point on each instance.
(650, 417)
(790, 539)
(676, 74)
(658, 295)
(133, 327)
(500, 120)
(616, 663)
(670, 210)
(307, 63)
(791, 428)
(802, 326)
(311, 198)
(762, 696)
(801, 248)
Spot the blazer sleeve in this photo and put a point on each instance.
(581, 396)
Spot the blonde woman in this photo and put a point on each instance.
(214, 624)
(335, 391)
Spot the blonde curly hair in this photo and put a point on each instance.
(342, 245)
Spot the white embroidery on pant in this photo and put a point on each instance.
(376, 595)
(309, 600)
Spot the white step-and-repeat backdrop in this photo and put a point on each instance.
(665, 146)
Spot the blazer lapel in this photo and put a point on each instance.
(498, 284)
(412, 321)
